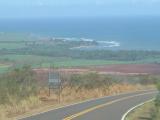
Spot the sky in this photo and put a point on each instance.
(77, 8)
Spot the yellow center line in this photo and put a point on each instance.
(102, 105)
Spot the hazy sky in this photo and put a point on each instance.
(76, 8)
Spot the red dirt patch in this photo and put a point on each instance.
(111, 69)
(130, 68)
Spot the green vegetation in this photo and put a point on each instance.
(17, 85)
(81, 62)
(94, 80)
(45, 61)
(18, 92)
(21, 49)
(18, 50)
(149, 111)
(4, 68)
(141, 112)
(11, 45)
(156, 112)
(58, 61)
(90, 81)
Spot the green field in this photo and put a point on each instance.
(11, 46)
(45, 61)
(4, 67)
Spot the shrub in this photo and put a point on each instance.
(18, 84)
(156, 112)
(90, 81)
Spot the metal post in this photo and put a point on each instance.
(49, 79)
(49, 92)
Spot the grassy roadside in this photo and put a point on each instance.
(149, 111)
(71, 96)
(142, 112)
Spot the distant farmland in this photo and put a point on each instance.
(17, 50)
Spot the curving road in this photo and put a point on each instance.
(107, 108)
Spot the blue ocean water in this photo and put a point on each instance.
(131, 32)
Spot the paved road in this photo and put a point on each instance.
(107, 108)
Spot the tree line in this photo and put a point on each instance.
(63, 51)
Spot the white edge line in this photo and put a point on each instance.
(135, 107)
(20, 118)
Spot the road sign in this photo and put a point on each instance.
(54, 82)
(54, 79)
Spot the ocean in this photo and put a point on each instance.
(138, 32)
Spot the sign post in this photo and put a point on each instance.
(54, 82)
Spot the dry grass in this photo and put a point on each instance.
(69, 95)
(3, 113)
(7, 112)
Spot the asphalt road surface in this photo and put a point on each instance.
(107, 108)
